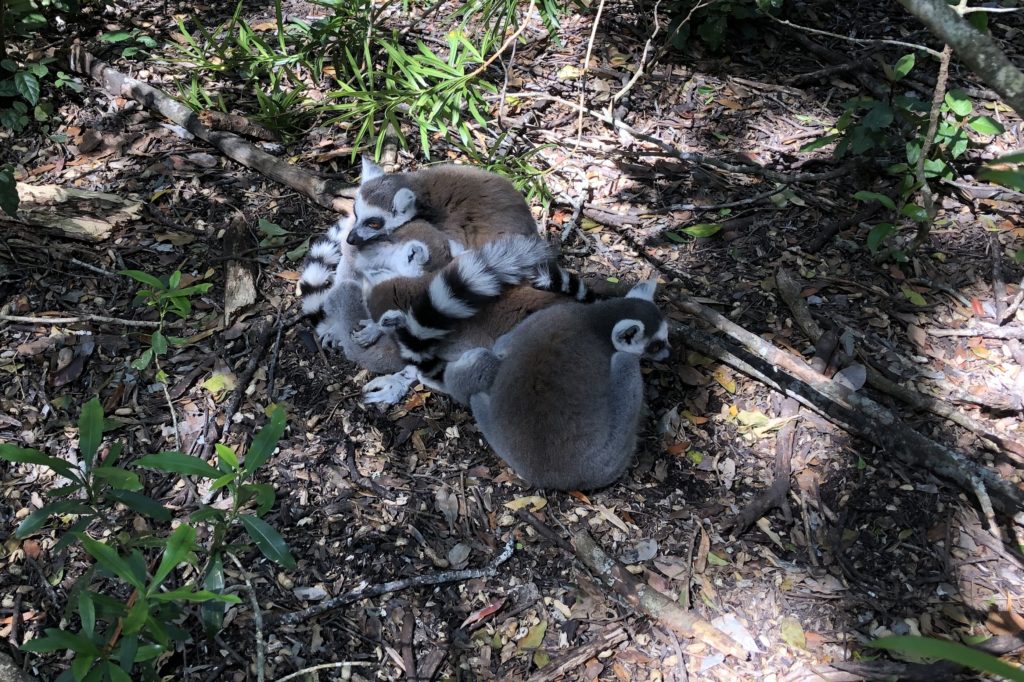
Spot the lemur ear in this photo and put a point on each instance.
(644, 290)
(628, 336)
(370, 170)
(404, 203)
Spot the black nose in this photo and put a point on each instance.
(354, 239)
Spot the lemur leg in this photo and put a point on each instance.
(472, 373)
(366, 333)
(345, 312)
(390, 388)
(627, 401)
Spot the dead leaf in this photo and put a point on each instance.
(793, 633)
(480, 614)
(724, 377)
(609, 516)
(535, 502)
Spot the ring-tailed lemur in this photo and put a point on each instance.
(560, 397)
(335, 277)
(469, 205)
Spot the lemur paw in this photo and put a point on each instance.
(392, 319)
(366, 333)
(388, 389)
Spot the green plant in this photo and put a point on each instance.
(21, 85)
(137, 42)
(167, 296)
(712, 23)
(944, 650)
(872, 125)
(121, 637)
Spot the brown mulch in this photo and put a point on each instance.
(867, 548)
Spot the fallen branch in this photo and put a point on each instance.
(79, 319)
(789, 290)
(327, 193)
(637, 594)
(854, 412)
(368, 591)
(977, 50)
(985, 331)
(648, 600)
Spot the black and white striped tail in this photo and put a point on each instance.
(553, 277)
(318, 271)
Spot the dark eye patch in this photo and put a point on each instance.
(655, 347)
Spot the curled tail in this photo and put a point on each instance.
(462, 289)
(553, 277)
(318, 271)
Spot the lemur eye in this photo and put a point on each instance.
(655, 347)
(374, 223)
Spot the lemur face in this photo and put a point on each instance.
(382, 205)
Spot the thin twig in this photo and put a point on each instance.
(368, 591)
(927, 197)
(272, 370)
(861, 41)
(325, 666)
(89, 266)
(716, 207)
(641, 66)
(257, 619)
(583, 71)
(78, 319)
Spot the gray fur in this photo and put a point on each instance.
(563, 407)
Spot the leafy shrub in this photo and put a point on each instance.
(117, 637)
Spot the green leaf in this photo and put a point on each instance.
(820, 142)
(90, 430)
(137, 616)
(206, 513)
(116, 674)
(261, 492)
(265, 441)
(174, 280)
(915, 212)
(142, 504)
(59, 640)
(179, 463)
(186, 594)
(119, 478)
(878, 234)
(109, 559)
(926, 647)
(986, 126)
(1014, 179)
(36, 519)
(875, 196)
(116, 36)
(142, 362)
(159, 342)
(224, 480)
(878, 117)
(1012, 157)
(267, 540)
(903, 66)
(958, 102)
(144, 278)
(180, 543)
(27, 86)
(87, 612)
(702, 229)
(271, 229)
(81, 665)
(12, 453)
(211, 613)
(226, 455)
(913, 296)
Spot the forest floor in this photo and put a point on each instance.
(865, 547)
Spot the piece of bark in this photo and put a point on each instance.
(570, 662)
(10, 672)
(72, 213)
(327, 193)
(240, 279)
(218, 120)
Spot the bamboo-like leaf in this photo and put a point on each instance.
(179, 544)
(265, 441)
(12, 453)
(108, 558)
(179, 463)
(950, 651)
(268, 540)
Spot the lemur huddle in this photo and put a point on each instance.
(440, 276)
